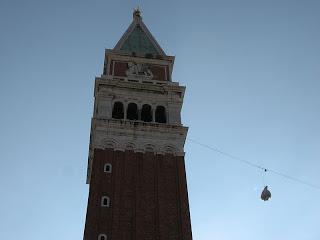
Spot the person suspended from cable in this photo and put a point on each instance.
(266, 194)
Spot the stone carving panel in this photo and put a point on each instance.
(139, 70)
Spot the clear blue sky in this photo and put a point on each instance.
(251, 69)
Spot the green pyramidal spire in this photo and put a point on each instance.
(138, 42)
(137, 39)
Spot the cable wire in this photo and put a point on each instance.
(254, 165)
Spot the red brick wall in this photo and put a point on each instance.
(149, 199)
(120, 69)
(159, 73)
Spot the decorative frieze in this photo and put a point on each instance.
(137, 136)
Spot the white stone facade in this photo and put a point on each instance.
(138, 136)
(108, 91)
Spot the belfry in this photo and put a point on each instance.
(136, 172)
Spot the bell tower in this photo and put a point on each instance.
(136, 172)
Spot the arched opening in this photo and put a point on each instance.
(117, 111)
(161, 114)
(146, 113)
(107, 168)
(132, 111)
(102, 237)
(105, 201)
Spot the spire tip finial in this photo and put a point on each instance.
(137, 14)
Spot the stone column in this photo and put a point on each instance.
(104, 107)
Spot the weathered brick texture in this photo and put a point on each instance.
(148, 193)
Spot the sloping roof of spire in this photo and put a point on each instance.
(138, 39)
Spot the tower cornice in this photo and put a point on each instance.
(136, 136)
(105, 85)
